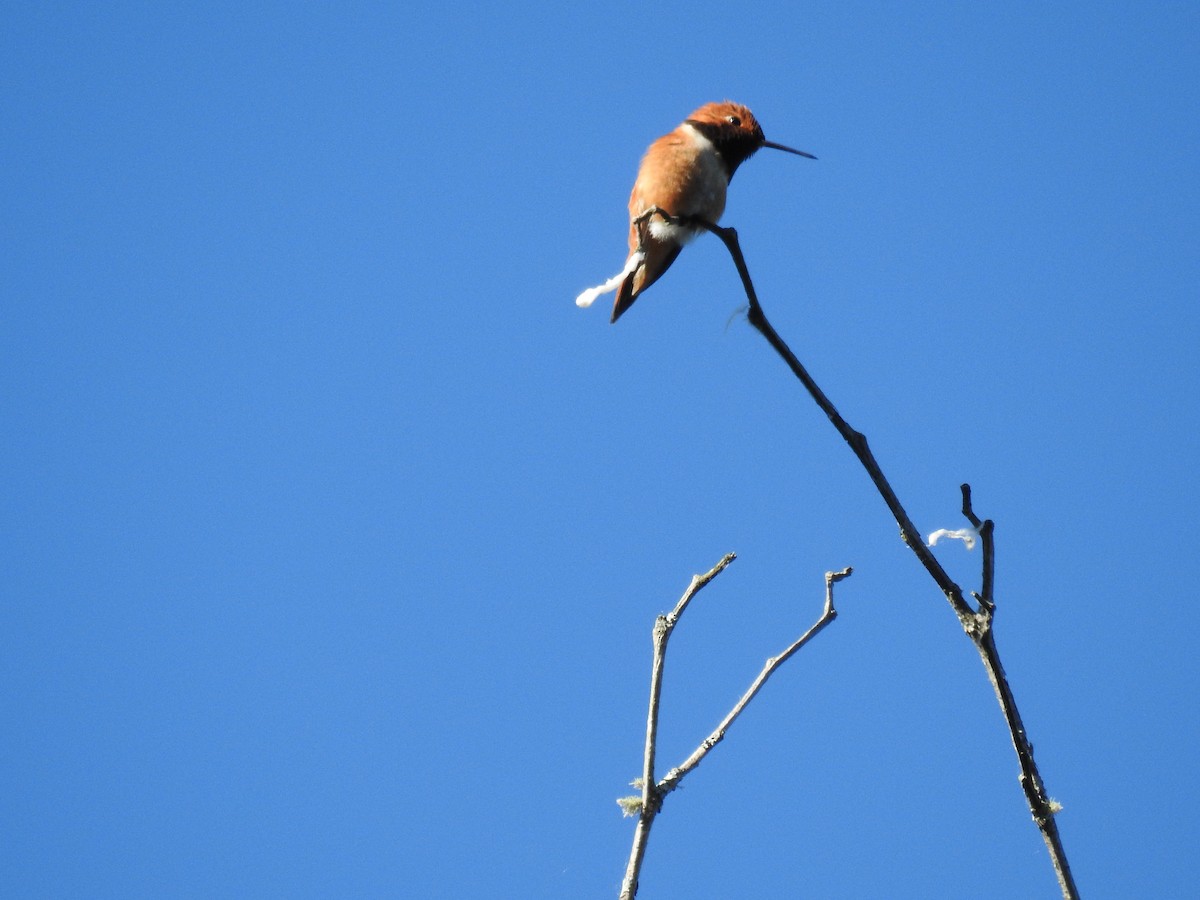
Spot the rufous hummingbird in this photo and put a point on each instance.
(686, 174)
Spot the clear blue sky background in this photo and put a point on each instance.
(333, 532)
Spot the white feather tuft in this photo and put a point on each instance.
(588, 297)
(966, 535)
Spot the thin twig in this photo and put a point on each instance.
(987, 602)
(651, 797)
(652, 792)
(976, 623)
(672, 778)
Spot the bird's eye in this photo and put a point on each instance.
(733, 120)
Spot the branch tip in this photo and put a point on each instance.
(968, 509)
(834, 577)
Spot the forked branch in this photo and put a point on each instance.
(647, 806)
(977, 623)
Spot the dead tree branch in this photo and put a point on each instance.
(976, 623)
(647, 806)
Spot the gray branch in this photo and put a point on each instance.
(647, 806)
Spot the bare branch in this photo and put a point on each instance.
(699, 582)
(651, 797)
(672, 779)
(987, 603)
(653, 793)
(976, 624)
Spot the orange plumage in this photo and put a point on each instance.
(685, 173)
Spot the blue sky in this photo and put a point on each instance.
(333, 532)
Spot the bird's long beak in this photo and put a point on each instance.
(775, 146)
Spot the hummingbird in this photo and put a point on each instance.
(685, 173)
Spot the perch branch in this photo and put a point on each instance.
(976, 623)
